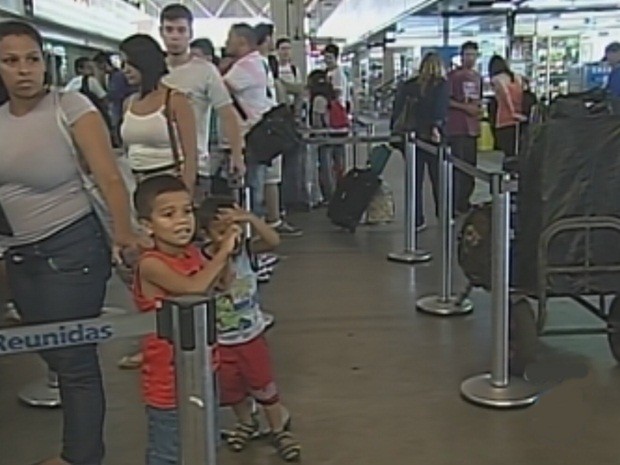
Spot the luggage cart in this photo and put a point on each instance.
(607, 313)
(474, 252)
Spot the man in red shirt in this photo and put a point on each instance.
(465, 85)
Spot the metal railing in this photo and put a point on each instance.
(497, 388)
(410, 253)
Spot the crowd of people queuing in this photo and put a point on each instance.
(178, 118)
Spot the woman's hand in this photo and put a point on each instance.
(519, 117)
(435, 135)
(237, 165)
(127, 248)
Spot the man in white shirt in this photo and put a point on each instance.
(290, 89)
(87, 84)
(288, 74)
(250, 81)
(85, 71)
(338, 79)
(273, 178)
(202, 83)
(335, 73)
(247, 80)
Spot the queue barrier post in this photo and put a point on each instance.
(410, 254)
(497, 389)
(189, 322)
(446, 303)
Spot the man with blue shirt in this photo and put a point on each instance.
(612, 56)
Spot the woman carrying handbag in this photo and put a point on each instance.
(158, 129)
(57, 253)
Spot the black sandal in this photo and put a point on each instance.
(287, 446)
(242, 433)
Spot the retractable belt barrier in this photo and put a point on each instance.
(188, 323)
(495, 389)
(410, 254)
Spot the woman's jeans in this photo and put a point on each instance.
(63, 278)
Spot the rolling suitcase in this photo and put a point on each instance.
(354, 193)
(378, 158)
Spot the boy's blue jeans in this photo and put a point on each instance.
(163, 437)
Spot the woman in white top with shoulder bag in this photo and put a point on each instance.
(57, 253)
(158, 128)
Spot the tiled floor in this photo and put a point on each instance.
(367, 378)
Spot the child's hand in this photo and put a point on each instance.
(235, 215)
(231, 239)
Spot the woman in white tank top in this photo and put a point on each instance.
(144, 129)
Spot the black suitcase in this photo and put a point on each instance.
(352, 197)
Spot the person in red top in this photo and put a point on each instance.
(173, 267)
(465, 85)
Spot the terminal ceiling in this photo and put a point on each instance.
(317, 9)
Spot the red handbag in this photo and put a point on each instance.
(338, 117)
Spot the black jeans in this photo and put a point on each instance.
(424, 160)
(292, 185)
(61, 278)
(507, 140)
(465, 148)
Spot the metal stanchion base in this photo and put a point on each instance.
(436, 305)
(44, 393)
(519, 393)
(41, 393)
(411, 256)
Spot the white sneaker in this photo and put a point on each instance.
(269, 320)
(264, 275)
(11, 313)
(268, 260)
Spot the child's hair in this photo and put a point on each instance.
(318, 84)
(210, 206)
(148, 190)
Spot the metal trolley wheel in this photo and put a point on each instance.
(613, 327)
(524, 335)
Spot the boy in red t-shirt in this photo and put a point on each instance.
(173, 267)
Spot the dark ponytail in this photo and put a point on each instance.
(17, 28)
(145, 54)
(498, 65)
